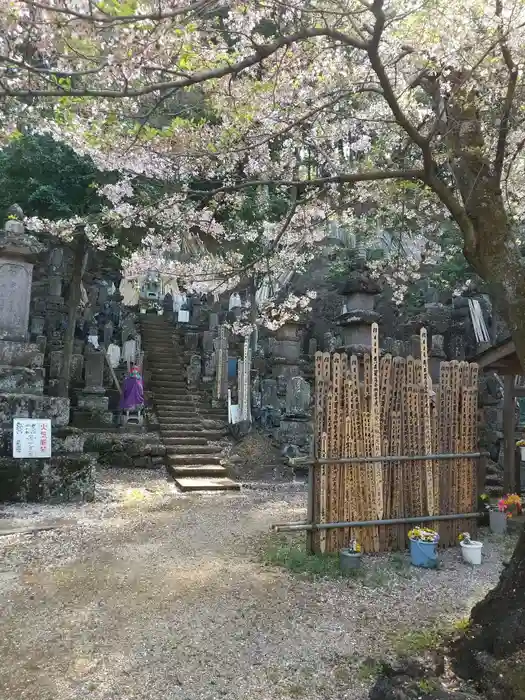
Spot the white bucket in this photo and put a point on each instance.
(522, 450)
(472, 552)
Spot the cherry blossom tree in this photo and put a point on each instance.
(354, 102)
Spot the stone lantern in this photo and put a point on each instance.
(359, 294)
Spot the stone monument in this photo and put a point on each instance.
(358, 315)
(59, 477)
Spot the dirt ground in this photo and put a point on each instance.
(150, 594)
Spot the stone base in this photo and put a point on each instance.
(93, 402)
(21, 405)
(21, 380)
(139, 451)
(63, 440)
(18, 354)
(295, 432)
(61, 479)
(92, 418)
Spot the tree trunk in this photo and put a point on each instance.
(72, 303)
(253, 316)
(493, 651)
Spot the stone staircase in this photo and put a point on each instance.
(192, 459)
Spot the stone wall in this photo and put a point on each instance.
(139, 451)
(64, 478)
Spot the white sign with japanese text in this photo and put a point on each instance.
(31, 438)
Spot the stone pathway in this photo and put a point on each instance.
(154, 595)
(192, 458)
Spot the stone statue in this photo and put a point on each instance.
(15, 212)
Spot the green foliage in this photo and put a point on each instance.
(47, 179)
(293, 557)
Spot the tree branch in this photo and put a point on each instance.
(122, 19)
(508, 101)
(386, 85)
(263, 51)
(343, 178)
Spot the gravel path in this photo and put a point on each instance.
(148, 594)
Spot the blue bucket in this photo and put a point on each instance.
(423, 554)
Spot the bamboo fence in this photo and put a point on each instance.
(386, 406)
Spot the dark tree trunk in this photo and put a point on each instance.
(492, 653)
(73, 304)
(499, 619)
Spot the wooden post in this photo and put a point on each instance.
(509, 447)
(517, 471)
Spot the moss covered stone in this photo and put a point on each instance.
(61, 479)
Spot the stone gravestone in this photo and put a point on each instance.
(297, 398)
(94, 372)
(56, 260)
(77, 367)
(191, 341)
(103, 294)
(210, 364)
(269, 393)
(214, 320)
(55, 363)
(37, 325)
(270, 406)
(93, 295)
(54, 286)
(194, 370)
(16, 276)
(108, 333)
(195, 315)
(312, 347)
(207, 341)
(41, 341)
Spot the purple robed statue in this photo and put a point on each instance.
(132, 397)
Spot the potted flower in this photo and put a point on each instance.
(484, 510)
(497, 517)
(499, 513)
(470, 549)
(350, 557)
(521, 445)
(423, 545)
(512, 504)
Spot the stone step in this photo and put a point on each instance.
(206, 484)
(198, 470)
(189, 450)
(182, 407)
(165, 362)
(192, 460)
(161, 352)
(183, 429)
(158, 337)
(166, 383)
(181, 433)
(170, 397)
(177, 418)
(181, 441)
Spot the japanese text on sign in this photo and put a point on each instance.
(31, 438)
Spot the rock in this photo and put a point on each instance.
(416, 679)
(60, 479)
